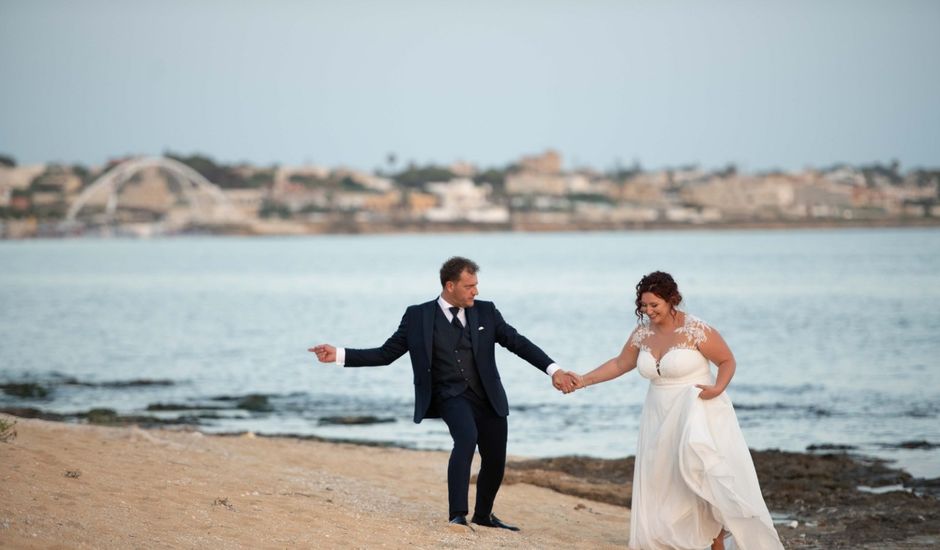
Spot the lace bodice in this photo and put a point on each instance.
(682, 361)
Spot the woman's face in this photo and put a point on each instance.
(654, 307)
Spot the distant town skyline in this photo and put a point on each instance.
(776, 85)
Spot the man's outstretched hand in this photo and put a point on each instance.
(325, 353)
(567, 381)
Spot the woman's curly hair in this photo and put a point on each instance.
(661, 284)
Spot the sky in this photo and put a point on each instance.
(760, 84)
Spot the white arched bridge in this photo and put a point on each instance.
(197, 202)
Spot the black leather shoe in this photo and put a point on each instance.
(459, 520)
(493, 521)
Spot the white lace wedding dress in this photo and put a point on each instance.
(693, 474)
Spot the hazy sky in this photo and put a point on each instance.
(762, 84)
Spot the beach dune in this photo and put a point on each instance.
(84, 486)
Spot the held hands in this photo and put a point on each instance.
(708, 392)
(567, 381)
(325, 353)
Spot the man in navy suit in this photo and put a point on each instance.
(451, 341)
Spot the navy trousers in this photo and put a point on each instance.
(473, 423)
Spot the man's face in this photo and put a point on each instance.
(462, 292)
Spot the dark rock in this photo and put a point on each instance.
(29, 390)
(925, 445)
(598, 479)
(831, 447)
(116, 383)
(820, 491)
(110, 417)
(354, 420)
(197, 418)
(921, 486)
(133, 383)
(255, 402)
(30, 412)
(102, 416)
(178, 407)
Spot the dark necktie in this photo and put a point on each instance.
(455, 321)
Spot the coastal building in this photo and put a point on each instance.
(301, 199)
(686, 176)
(538, 175)
(582, 184)
(548, 162)
(845, 175)
(461, 199)
(633, 213)
(534, 183)
(14, 181)
(462, 169)
(19, 177)
(541, 221)
(739, 197)
(647, 189)
(556, 185)
(614, 214)
(247, 202)
(418, 202)
(824, 198)
(692, 214)
(369, 181)
(349, 200)
(297, 178)
(42, 199)
(383, 202)
(148, 191)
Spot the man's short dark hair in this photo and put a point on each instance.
(453, 267)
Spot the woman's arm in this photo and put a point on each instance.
(717, 351)
(623, 363)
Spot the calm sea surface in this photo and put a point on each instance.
(836, 332)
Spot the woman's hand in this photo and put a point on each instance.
(708, 392)
(567, 381)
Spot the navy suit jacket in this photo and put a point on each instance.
(415, 334)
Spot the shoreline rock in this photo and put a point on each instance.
(816, 497)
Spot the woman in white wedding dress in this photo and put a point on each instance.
(694, 481)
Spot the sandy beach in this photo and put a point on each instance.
(69, 485)
(84, 486)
